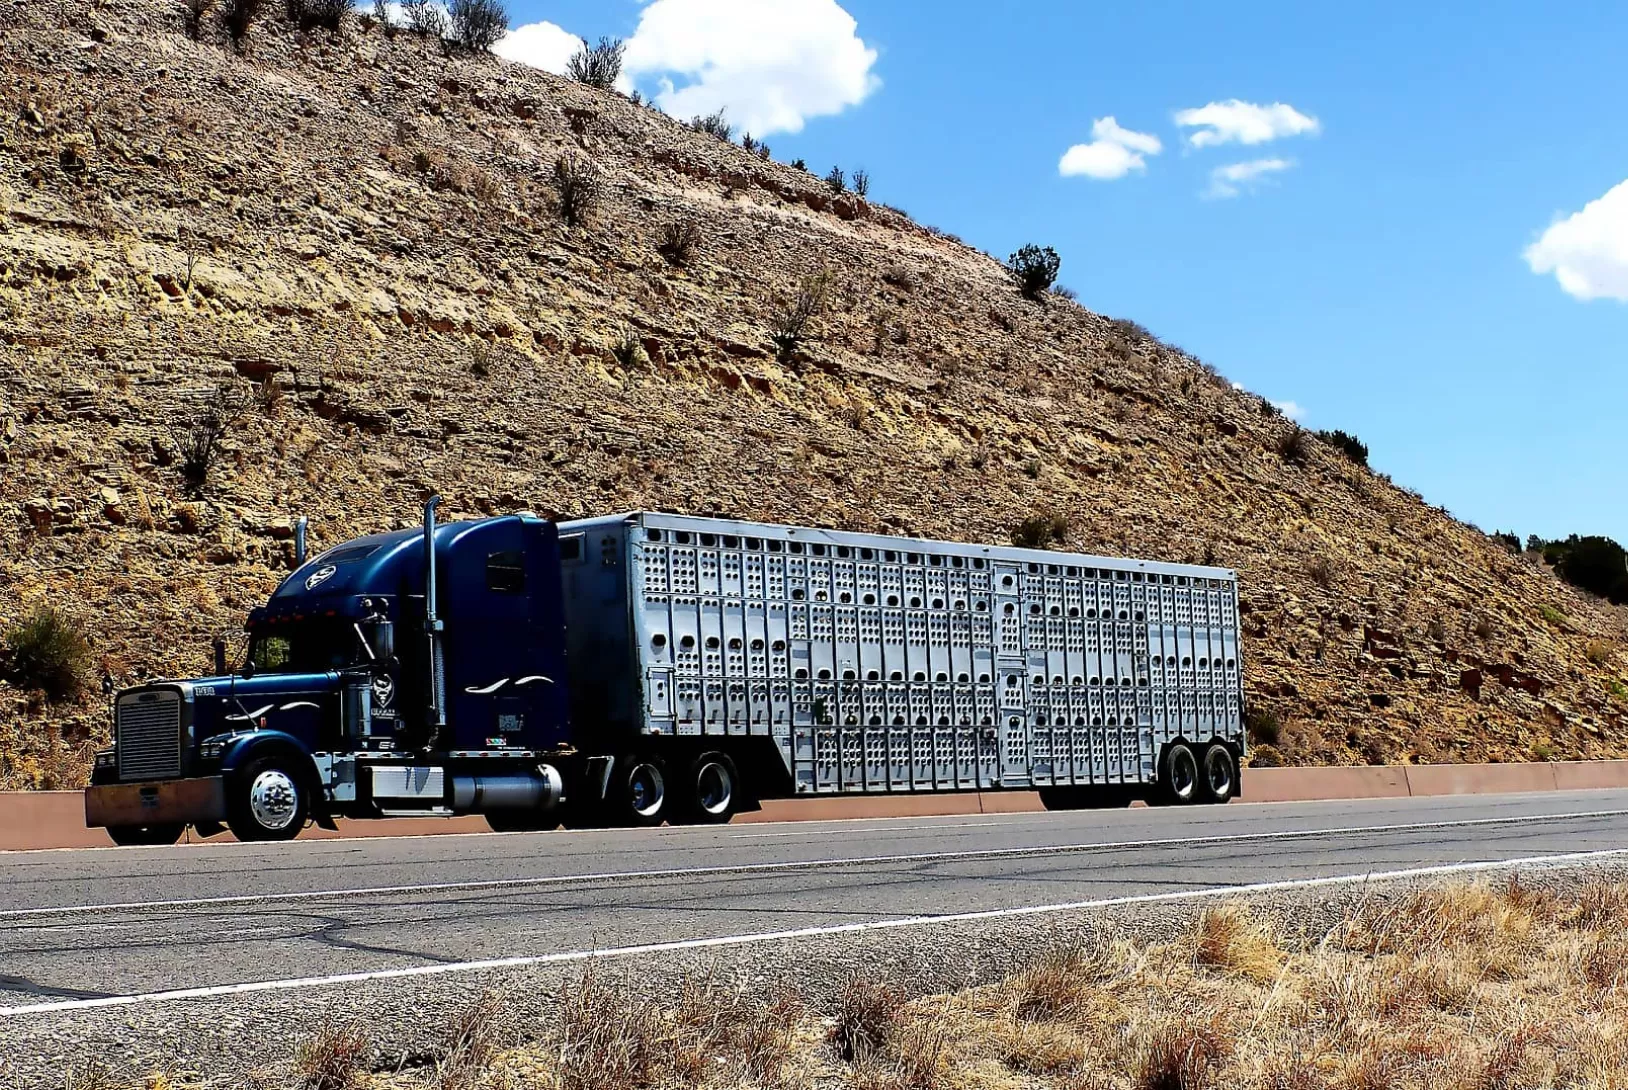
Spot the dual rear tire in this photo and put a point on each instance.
(646, 790)
(1208, 775)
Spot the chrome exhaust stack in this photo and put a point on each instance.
(433, 627)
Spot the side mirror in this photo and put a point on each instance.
(248, 669)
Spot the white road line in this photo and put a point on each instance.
(444, 968)
(790, 865)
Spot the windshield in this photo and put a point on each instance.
(311, 648)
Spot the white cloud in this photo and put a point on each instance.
(1238, 122)
(1588, 250)
(541, 45)
(1113, 152)
(1291, 409)
(770, 66)
(1235, 178)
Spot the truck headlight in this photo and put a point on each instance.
(107, 758)
(211, 751)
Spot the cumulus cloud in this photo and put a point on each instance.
(1112, 153)
(1234, 178)
(771, 67)
(1238, 122)
(541, 45)
(1588, 250)
(1291, 409)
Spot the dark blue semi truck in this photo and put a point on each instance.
(642, 668)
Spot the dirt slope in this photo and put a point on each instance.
(358, 240)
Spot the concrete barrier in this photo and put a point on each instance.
(33, 820)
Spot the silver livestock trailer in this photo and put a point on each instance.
(824, 662)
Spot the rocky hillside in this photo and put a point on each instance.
(359, 246)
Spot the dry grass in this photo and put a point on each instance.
(1459, 987)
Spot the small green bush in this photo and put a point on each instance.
(1294, 446)
(1040, 530)
(478, 25)
(1263, 726)
(713, 125)
(1347, 444)
(837, 180)
(598, 66)
(1034, 269)
(1553, 616)
(46, 652)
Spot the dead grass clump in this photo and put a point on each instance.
(1601, 906)
(473, 1039)
(1180, 1055)
(866, 1011)
(1059, 983)
(335, 1059)
(606, 1039)
(1230, 938)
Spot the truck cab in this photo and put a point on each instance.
(421, 671)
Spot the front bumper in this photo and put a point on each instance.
(164, 802)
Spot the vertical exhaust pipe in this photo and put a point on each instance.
(299, 541)
(433, 628)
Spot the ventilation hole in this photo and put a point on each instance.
(658, 640)
(869, 599)
(687, 643)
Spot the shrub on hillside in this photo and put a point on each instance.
(192, 16)
(598, 66)
(788, 326)
(713, 125)
(1034, 269)
(576, 184)
(1510, 541)
(239, 17)
(1040, 530)
(1596, 564)
(478, 25)
(1347, 444)
(318, 14)
(425, 17)
(678, 241)
(197, 438)
(46, 652)
(837, 180)
(862, 183)
(1294, 446)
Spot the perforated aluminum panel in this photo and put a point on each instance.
(892, 664)
(148, 735)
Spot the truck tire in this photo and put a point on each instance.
(639, 795)
(1219, 781)
(131, 836)
(711, 790)
(1178, 777)
(268, 799)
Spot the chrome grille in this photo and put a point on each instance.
(149, 736)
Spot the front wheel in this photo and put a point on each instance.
(267, 800)
(134, 836)
(712, 790)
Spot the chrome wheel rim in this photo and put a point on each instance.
(274, 799)
(1183, 774)
(1220, 775)
(714, 787)
(646, 789)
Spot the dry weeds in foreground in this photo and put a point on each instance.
(1504, 987)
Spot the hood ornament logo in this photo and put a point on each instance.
(320, 576)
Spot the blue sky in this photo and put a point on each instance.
(1378, 278)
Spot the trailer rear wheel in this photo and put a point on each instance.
(1220, 779)
(638, 794)
(267, 800)
(131, 836)
(1178, 777)
(712, 790)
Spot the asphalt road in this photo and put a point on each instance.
(79, 926)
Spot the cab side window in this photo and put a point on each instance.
(506, 573)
